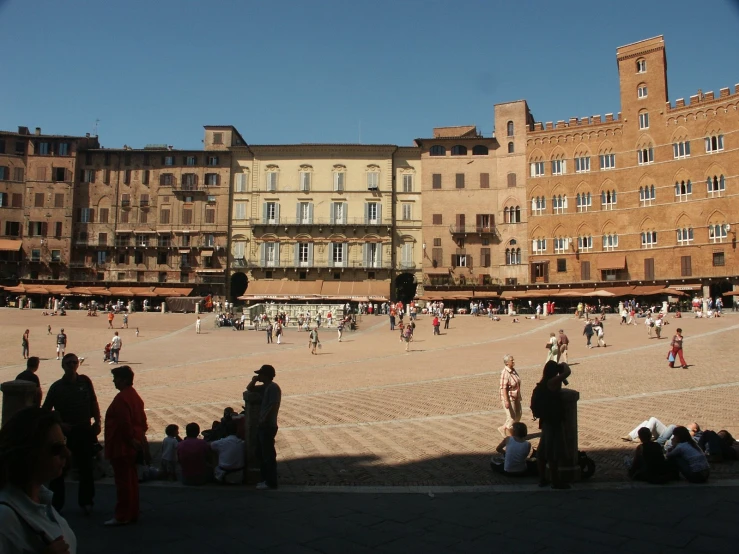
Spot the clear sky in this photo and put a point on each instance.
(375, 71)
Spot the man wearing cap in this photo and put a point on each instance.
(564, 345)
(267, 429)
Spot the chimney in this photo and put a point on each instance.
(38, 131)
(22, 130)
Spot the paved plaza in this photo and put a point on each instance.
(365, 412)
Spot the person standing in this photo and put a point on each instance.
(546, 406)
(115, 348)
(30, 375)
(125, 320)
(510, 394)
(677, 349)
(447, 318)
(392, 319)
(563, 342)
(197, 326)
(111, 316)
(278, 331)
(553, 348)
(33, 453)
(435, 323)
(600, 333)
(73, 399)
(26, 345)
(658, 326)
(269, 332)
(125, 441)
(313, 340)
(267, 427)
(649, 322)
(588, 332)
(340, 328)
(61, 344)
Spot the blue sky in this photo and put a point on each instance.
(290, 71)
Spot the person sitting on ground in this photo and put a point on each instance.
(687, 457)
(230, 453)
(195, 457)
(106, 353)
(649, 462)
(516, 450)
(717, 446)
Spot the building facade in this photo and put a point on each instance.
(152, 216)
(648, 195)
(37, 178)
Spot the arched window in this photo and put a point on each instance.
(641, 90)
(714, 143)
(511, 148)
(717, 232)
(685, 235)
(437, 150)
(683, 189)
(648, 239)
(538, 204)
(517, 215)
(610, 241)
(559, 204)
(513, 256)
(585, 243)
(641, 65)
(647, 195)
(715, 184)
(459, 150)
(509, 129)
(506, 216)
(608, 199)
(584, 201)
(480, 150)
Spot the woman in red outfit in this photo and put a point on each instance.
(125, 441)
(677, 349)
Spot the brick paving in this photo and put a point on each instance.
(365, 412)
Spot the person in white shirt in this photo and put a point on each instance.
(658, 326)
(649, 322)
(230, 452)
(169, 452)
(115, 348)
(516, 450)
(197, 326)
(34, 452)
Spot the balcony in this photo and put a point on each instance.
(188, 188)
(406, 265)
(125, 203)
(483, 231)
(143, 203)
(322, 222)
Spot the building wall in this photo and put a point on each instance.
(630, 217)
(289, 229)
(408, 237)
(146, 198)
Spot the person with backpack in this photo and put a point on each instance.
(546, 406)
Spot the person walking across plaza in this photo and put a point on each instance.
(510, 394)
(340, 328)
(115, 348)
(658, 326)
(73, 399)
(111, 316)
(435, 323)
(61, 344)
(270, 328)
(677, 349)
(278, 331)
(588, 332)
(197, 325)
(313, 340)
(267, 426)
(125, 320)
(553, 348)
(447, 318)
(126, 445)
(25, 344)
(564, 345)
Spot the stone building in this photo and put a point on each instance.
(318, 220)
(645, 196)
(474, 203)
(37, 176)
(152, 216)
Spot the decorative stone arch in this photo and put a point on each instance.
(605, 147)
(370, 238)
(271, 168)
(683, 220)
(715, 169)
(336, 237)
(269, 237)
(646, 180)
(644, 141)
(536, 232)
(558, 153)
(538, 190)
(715, 217)
(339, 167)
(713, 127)
(306, 167)
(511, 200)
(582, 150)
(583, 186)
(559, 231)
(679, 134)
(407, 238)
(239, 237)
(681, 175)
(608, 228)
(303, 237)
(536, 156)
(607, 184)
(647, 223)
(372, 168)
(560, 189)
(104, 202)
(584, 229)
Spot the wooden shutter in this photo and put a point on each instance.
(38, 200)
(453, 263)
(164, 216)
(436, 181)
(485, 257)
(187, 217)
(17, 200)
(44, 229)
(296, 254)
(686, 269)
(511, 179)
(459, 180)
(649, 269)
(484, 180)
(210, 216)
(124, 217)
(469, 260)
(41, 173)
(102, 239)
(436, 219)
(59, 200)
(92, 215)
(436, 256)
(585, 271)
(460, 222)
(58, 229)
(103, 215)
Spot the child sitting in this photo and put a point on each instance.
(169, 452)
(516, 450)
(106, 353)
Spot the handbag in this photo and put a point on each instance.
(548, 346)
(670, 357)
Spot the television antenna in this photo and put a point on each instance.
(95, 128)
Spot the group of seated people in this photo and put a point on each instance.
(229, 320)
(219, 456)
(668, 451)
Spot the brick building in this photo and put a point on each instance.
(155, 215)
(646, 196)
(37, 175)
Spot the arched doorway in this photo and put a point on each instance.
(719, 287)
(405, 287)
(239, 282)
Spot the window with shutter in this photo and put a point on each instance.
(484, 180)
(58, 228)
(511, 179)
(104, 215)
(187, 217)
(459, 180)
(437, 254)
(59, 200)
(241, 182)
(585, 271)
(686, 269)
(145, 177)
(17, 200)
(38, 200)
(485, 257)
(41, 174)
(18, 174)
(124, 217)
(436, 219)
(164, 216)
(143, 216)
(649, 269)
(436, 181)
(339, 178)
(210, 216)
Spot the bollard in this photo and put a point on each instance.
(253, 404)
(17, 395)
(569, 468)
(164, 307)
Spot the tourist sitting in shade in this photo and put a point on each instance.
(515, 450)
(687, 457)
(230, 455)
(195, 457)
(649, 462)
